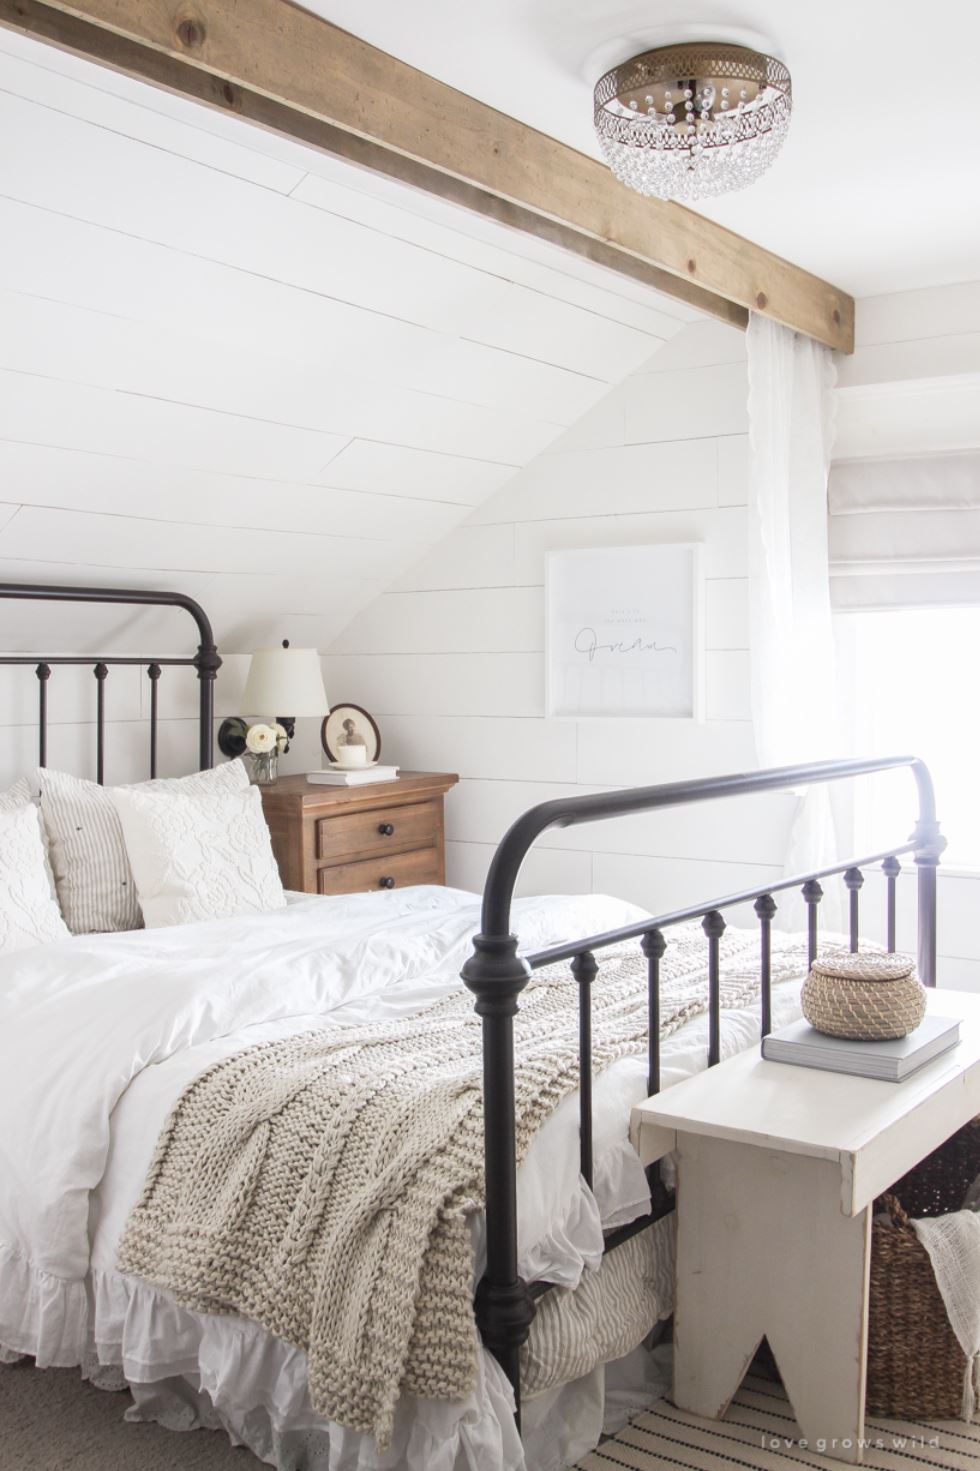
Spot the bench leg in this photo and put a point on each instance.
(764, 1250)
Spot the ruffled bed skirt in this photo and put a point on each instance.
(188, 1370)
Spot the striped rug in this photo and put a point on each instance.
(759, 1434)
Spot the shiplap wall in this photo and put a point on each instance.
(237, 368)
(451, 658)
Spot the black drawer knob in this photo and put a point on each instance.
(386, 829)
(386, 883)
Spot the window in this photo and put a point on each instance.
(913, 683)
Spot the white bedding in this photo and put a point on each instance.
(100, 1034)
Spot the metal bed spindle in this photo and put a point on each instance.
(43, 672)
(765, 908)
(153, 675)
(714, 927)
(812, 894)
(653, 945)
(891, 868)
(585, 969)
(853, 882)
(101, 673)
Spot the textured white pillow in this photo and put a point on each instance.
(29, 913)
(88, 853)
(19, 795)
(25, 792)
(201, 856)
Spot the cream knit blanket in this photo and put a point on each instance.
(320, 1185)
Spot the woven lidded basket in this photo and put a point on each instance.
(869, 998)
(916, 1367)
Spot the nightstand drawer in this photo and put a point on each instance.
(382, 830)
(399, 871)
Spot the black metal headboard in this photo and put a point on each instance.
(205, 661)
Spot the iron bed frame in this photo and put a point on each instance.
(205, 661)
(496, 973)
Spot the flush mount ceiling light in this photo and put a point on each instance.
(686, 122)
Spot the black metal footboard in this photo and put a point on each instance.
(496, 974)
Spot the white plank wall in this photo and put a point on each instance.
(239, 369)
(451, 657)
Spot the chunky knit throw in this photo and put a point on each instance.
(320, 1185)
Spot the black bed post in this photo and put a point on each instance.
(207, 663)
(504, 1308)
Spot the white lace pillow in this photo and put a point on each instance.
(19, 795)
(25, 793)
(29, 913)
(88, 852)
(203, 856)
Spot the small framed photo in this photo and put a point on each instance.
(349, 725)
(625, 632)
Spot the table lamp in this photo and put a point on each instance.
(278, 679)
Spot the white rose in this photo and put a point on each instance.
(260, 738)
(282, 739)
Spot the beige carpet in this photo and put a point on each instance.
(51, 1420)
(760, 1434)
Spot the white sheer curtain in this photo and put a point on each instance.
(794, 688)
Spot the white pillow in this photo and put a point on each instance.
(19, 795)
(29, 913)
(25, 793)
(198, 856)
(88, 853)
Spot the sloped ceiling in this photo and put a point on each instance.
(233, 367)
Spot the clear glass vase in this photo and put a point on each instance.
(264, 767)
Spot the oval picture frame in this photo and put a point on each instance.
(365, 726)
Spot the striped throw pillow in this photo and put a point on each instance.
(92, 875)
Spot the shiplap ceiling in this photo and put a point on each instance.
(236, 367)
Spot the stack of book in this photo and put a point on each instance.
(890, 1061)
(352, 776)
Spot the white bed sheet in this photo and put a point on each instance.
(98, 1037)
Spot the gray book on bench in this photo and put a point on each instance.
(892, 1061)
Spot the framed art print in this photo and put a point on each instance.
(624, 632)
(350, 725)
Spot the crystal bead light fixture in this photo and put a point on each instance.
(686, 122)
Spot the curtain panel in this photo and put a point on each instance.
(793, 668)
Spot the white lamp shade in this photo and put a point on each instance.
(286, 682)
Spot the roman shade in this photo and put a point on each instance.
(905, 533)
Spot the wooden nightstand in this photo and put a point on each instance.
(346, 840)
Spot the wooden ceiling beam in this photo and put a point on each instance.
(283, 68)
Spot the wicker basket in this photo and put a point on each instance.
(868, 997)
(915, 1364)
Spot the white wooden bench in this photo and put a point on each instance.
(778, 1170)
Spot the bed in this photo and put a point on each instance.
(102, 1034)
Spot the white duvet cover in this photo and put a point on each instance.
(100, 1034)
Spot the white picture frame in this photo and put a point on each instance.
(625, 633)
